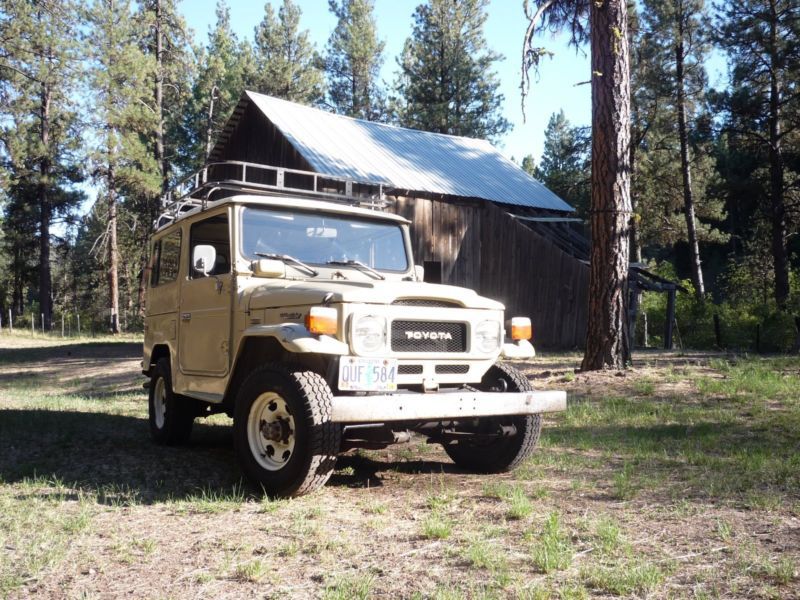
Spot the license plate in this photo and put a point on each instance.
(368, 374)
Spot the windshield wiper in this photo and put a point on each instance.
(289, 260)
(356, 263)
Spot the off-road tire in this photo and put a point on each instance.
(177, 417)
(503, 453)
(316, 438)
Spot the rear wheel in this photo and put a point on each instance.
(171, 416)
(284, 438)
(488, 453)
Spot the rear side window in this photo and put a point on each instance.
(166, 259)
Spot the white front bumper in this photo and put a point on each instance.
(444, 405)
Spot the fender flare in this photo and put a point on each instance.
(295, 338)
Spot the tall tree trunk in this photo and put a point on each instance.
(636, 243)
(776, 167)
(210, 121)
(159, 154)
(113, 267)
(686, 169)
(607, 334)
(45, 209)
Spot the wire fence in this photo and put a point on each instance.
(67, 324)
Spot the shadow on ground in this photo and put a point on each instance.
(104, 350)
(113, 457)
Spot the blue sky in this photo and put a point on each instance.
(555, 89)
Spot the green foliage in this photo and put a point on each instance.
(749, 319)
(286, 64)
(566, 162)
(224, 67)
(40, 139)
(446, 82)
(353, 61)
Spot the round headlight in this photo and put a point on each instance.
(487, 336)
(369, 334)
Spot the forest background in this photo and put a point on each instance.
(104, 106)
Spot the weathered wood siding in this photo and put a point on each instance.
(257, 140)
(481, 247)
(534, 278)
(447, 232)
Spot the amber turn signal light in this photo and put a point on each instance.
(322, 320)
(521, 328)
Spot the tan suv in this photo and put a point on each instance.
(302, 315)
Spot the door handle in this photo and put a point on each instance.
(186, 316)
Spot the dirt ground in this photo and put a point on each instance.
(619, 501)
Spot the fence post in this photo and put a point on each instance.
(62, 324)
(78, 316)
(717, 331)
(42, 323)
(668, 326)
(33, 323)
(10, 321)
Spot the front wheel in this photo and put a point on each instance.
(488, 453)
(284, 438)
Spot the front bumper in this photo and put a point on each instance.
(443, 406)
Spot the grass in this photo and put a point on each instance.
(437, 526)
(551, 548)
(679, 481)
(624, 579)
(350, 587)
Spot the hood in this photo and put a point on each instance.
(280, 292)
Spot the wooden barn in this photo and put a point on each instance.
(478, 220)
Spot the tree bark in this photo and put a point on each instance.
(776, 168)
(607, 335)
(636, 243)
(686, 169)
(45, 210)
(159, 153)
(113, 267)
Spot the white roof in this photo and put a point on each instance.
(405, 159)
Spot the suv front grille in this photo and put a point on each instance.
(427, 336)
(425, 302)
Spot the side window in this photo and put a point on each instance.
(212, 232)
(166, 259)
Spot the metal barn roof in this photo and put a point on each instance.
(405, 159)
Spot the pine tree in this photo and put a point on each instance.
(167, 44)
(40, 126)
(287, 65)
(353, 61)
(607, 342)
(762, 39)
(225, 66)
(446, 82)
(675, 34)
(565, 165)
(123, 160)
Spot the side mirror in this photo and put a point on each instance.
(267, 267)
(203, 259)
(419, 272)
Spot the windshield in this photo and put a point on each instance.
(319, 238)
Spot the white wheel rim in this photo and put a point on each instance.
(271, 431)
(160, 402)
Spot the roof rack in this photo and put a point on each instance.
(219, 180)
